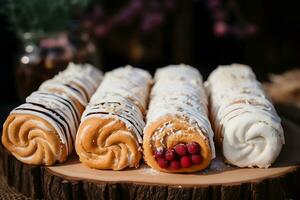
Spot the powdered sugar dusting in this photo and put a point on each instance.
(179, 92)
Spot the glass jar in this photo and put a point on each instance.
(43, 56)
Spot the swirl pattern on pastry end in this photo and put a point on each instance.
(33, 140)
(169, 131)
(107, 143)
(247, 126)
(252, 141)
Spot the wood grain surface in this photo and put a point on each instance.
(73, 180)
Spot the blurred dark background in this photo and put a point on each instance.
(151, 34)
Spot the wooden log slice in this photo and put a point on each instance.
(73, 180)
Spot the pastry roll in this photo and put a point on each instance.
(42, 130)
(245, 122)
(110, 132)
(178, 136)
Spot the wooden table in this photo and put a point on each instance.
(73, 180)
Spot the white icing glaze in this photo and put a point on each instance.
(244, 117)
(179, 92)
(58, 108)
(83, 78)
(48, 116)
(131, 83)
(122, 94)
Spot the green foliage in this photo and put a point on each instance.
(41, 15)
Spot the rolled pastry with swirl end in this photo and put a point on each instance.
(42, 130)
(247, 127)
(178, 136)
(110, 132)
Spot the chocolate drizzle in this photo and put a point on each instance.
(44, 113)
(123, 94)
(67, 102)
(58, 115)
(82, 93)
(57, 99)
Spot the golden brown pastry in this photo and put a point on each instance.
(178, 135)
(42, 130)
(110, 132)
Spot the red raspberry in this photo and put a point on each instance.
(175, 164)
(159, 153)
(193, 148)
(180, 149)
(163, 163)
(197, 159)
(170, 154)
(185, 161)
